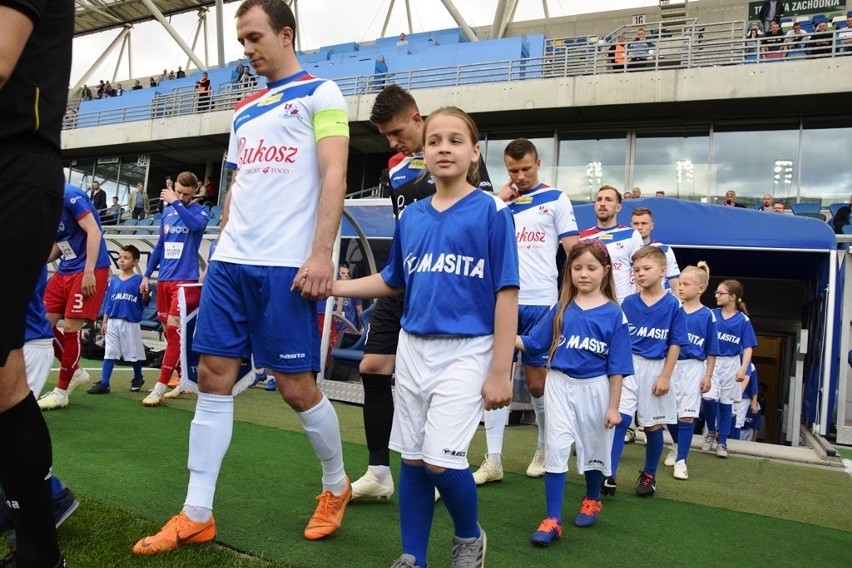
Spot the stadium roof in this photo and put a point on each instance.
(98, 15)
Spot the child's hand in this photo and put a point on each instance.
(497, 392)
(755, 407)
(613, 418)
(705, 385)
(741, 377)
(661, 386)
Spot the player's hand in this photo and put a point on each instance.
(104, 329)
(755, 407)
(613, 418)
(705, 385)
(661, 386)
(742, 377)
(497, 391)
(315, 278)
(508, 192)
(168, 196)
(145, 286)
(88, 285)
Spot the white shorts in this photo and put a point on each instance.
(38, 357)
(439, 397)
(123, 341)
(740, 411)
(637, 396)
(576, 410)
(724, 386)
(686, 383)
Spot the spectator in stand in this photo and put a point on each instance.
(627, 195)
(773, 45)
(845, 35)
(766, 203)
(778, 206)
(641, 51)
(731, 199)
(70, 118)
(101, 87)
(660, 193)
(180, 73)
(822, 41)
(86, 93)
(137, 85)
(402, 41)
(152, 82)
(210, 190)
(637, 193)
(108, 90)
(164, 76)
(618, 53)
(111, 213)
(98, 196)
(170, 186)
(771, 11)
(204, 89)
(171, 75)
(119, 91)
(138, 203)
(752, 41)
(796, 37)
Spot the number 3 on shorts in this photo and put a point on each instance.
(78, 302)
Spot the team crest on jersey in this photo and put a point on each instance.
(270, 100)
(543, 209)
(291, 110)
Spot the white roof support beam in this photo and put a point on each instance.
(96, 65)
(408, 16)
(512, 5)
(201, 25)
(387, 19)
(496, 25)
(172, 32)
(120, 57)
(451, 8)
(220, 34)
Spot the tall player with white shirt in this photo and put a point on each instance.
(621, 241)
(289, 144)
(544, 219)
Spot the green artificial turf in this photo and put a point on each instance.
(128, 464)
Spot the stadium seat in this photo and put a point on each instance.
(805, 207)
(817, 18)
(147, 222)
(819, 216)
(345, 361)
(835, 206)
(126, 226)
(157, 216)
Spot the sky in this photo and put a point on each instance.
(153, 49)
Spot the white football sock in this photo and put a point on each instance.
(209, 438)
(495, 426)
(323, 430)
(538, 407)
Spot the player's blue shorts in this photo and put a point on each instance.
(527, 316)
(249, 310)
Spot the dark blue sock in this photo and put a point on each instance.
(653, 450)
(416, 509)
(458, 492)
(724, 422)
(618, 441)
(673, 429)
(55, 486)
(137, 369)
(106, 373)
(554, 488)
(594, 478)
(709, 410)
(684, 439)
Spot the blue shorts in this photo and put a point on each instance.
(527, 316)
(249, 310)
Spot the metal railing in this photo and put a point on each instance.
(691, 46)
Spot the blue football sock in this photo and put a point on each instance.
(106, 373)
(653, 450)
(618, 441)
(55, 487)
(554, 488)
(137, 369)
(724, 422)
(684, 438)
(594, 478)
(709, 410)
(416, 509)
(458, 491)
(673, 431)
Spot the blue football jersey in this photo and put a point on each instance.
(701, 331)
(123, 299)
(452, 263)
(176, 253)
(654, 328)
(37, 325)
(592, 343)
(70, 238)
(735, 333)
